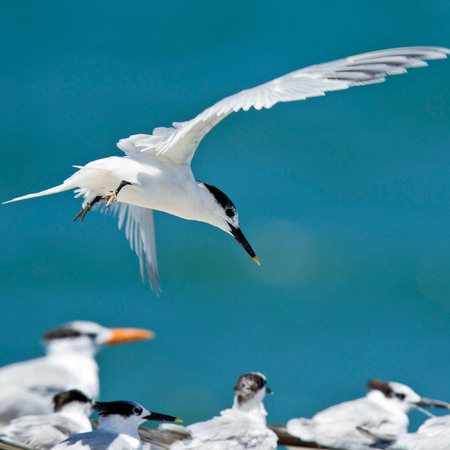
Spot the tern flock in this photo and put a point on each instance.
(46, 402)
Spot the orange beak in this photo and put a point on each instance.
(127, 335)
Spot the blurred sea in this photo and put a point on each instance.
(343, 198)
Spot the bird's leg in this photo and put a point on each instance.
(112, 197)
(84, 211)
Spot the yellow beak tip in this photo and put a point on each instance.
(256, 260)
(178, 420)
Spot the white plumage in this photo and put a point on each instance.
(383, 410)
(433, 434)
(241, 427)
(42, 432)
(157, 168)
(27, 388)
(117, 428)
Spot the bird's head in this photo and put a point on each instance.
(89, 337)
(129, 412)
(403, 397)
(250, 390)
(72, 401)
(226, 217)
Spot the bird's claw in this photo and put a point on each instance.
(82, 213)
(87, 208)
(110, 199)
(113, 196)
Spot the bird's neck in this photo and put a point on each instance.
(118, 425)
(253, 407)
(62, 347)
(80, 370)
(207, 209)
(77, 413)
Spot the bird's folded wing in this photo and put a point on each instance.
(163, 437)
(9, 445)
(178, 143)
(377, 436)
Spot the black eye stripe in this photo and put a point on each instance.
(229, 212)
(62, 333)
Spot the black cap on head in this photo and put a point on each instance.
(73, 330)
(63, 398)
(221, 198)
(381, 386)
(120, 407)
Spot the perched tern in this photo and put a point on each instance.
(117, 427)
(156, 172)
(434, 433)
(71, 416)
(28, 387)
(383, 410)
(241, 427)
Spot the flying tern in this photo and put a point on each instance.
(117, 427)
(71, 416)
(28, 387)
(156, 172)
(383, 410)
(241, 427)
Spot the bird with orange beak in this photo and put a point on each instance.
(27, 387)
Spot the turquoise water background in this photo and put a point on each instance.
(343, 198)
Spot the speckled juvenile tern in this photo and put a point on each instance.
(241, 427)
(156, 172)
(28, 387)
(383, 410)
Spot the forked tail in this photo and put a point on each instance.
(66, 186)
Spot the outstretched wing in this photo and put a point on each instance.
(139, 230)
(178, 144)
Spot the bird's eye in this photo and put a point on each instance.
(229, 212)
(400, 396)
(137, 411)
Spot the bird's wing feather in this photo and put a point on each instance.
(163, 437)
(178, 143)
(230, 430)
(93, 440)
(139, 230)
(8, 445)
(338, 421)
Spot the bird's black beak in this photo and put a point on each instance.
(161, 418)
(429, 403)
(237, 234)
(269, 391)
